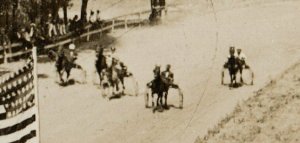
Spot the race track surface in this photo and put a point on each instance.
(196, 44)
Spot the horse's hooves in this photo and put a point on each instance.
(166, 107)
(160, 109)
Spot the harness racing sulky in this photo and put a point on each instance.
(236, 64)
(112, 74)
(160, 86)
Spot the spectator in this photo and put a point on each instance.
(98, 16)
(26, 35)
(98, 19)
(92, 18)
(38, 38)
(74, 23)
(61, 27)
(4, 41)
(52, 28)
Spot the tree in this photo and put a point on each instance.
(83, 17)
(65, 10)
(55, 8)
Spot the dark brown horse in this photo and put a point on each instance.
(100, 63)
(157, 86)
(63, 64)
(160, 87)
(234, 66)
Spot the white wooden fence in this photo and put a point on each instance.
(124, 21)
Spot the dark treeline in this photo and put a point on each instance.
(17, 14)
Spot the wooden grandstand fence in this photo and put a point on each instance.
(124, 21)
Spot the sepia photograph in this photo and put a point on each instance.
(149, 71)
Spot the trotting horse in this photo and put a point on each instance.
(234, 66)
(160, 87)
(100, 63)
(113, 76)
(64, 65)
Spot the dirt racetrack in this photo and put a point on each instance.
(196, 44)
(272, 115)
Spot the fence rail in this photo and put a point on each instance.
(111, 24)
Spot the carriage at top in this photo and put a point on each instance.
(237, 68)
(157, 7)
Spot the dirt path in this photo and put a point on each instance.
(270, 116)
(268, 34)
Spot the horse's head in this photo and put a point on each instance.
(52, 55)
(156, 71)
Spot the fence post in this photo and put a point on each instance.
(100, 33)
(126, 26)
(113, 26)
(4, 54)
(140, 20)
(88, 36)
(7, 55)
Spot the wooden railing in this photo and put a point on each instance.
(124, 21)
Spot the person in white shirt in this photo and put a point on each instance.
(92, 17)
(98, 16)
(242, 57)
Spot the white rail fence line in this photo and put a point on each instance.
(123, 21)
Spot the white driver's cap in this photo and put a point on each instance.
(72, 46)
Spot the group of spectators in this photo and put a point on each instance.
(95, 19)
(47, 31)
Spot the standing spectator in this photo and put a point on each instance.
(26, 35)
(38, 38)
(52, 28)
(4, 41)
(61, 27)
(74, 23)
(98, 16)
(92, 18)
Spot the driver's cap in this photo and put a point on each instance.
(72, 46)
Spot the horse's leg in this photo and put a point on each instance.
(68, 74)
(146, 97)
(152, 97)
(252, 76)
(100, 78)
(161, 99)
(180, 98)
(222, 77)
(122, 81)
(157, 100)
(231, 79)
(60, 74)
(241, 74)
(166, 99)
